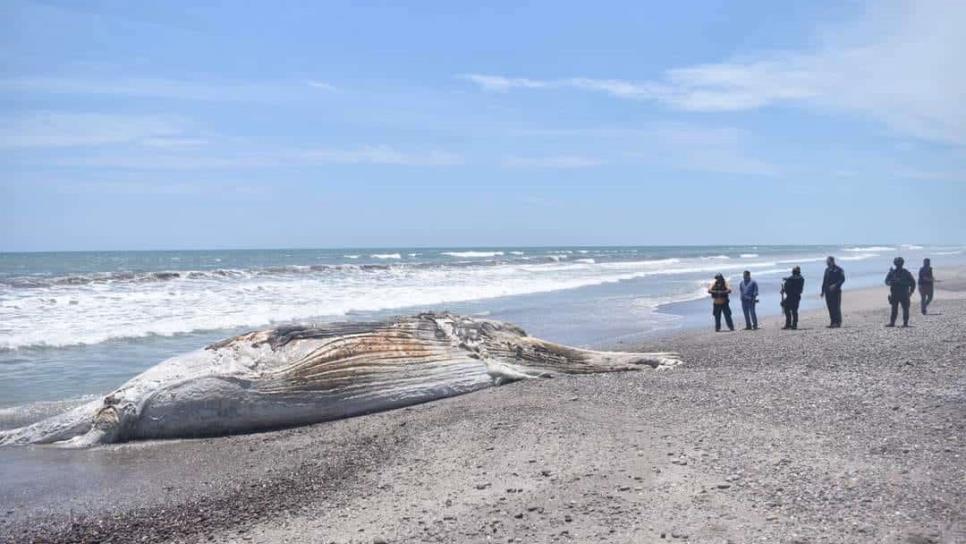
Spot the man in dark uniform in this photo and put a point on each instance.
(832, 291)
(719, 291)
(901, 287)
(792, 288)
(925, 284)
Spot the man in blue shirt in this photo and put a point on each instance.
(749, 297)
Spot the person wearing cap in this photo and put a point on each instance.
(901, 287)
(791, 291)
(749, 297)
(719, 291)
(832, 291)
(926, 282)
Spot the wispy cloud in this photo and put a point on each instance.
(618, 88)
(57, 129)
(131, 188)
(188, 160)
(321, 85)
(174, 142)
(555, 161)
(147, 187)
(718, 87)
(170, 143)
(503, 84)
(933, 175)
(695, 148)
(686, 147)
(380, 154)
(175, 89)
(901, 64)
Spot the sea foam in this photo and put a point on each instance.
(93, 312)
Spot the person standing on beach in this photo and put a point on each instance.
(719, 291)
(925, 284)
(749, 297)
(832, 291)
(901, 287)
(792, 288)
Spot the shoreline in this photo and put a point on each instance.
(952, 286)
(847, 435)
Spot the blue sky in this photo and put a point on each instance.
(207, 124)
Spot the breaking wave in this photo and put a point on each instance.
(868, 249)
(472, 254)
(94, 308)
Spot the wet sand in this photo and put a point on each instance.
(816, 435)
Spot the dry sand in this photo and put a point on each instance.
(816, 435)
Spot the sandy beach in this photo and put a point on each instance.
(810, 436)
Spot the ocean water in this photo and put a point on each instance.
(79, 324)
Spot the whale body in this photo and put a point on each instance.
(304, 374)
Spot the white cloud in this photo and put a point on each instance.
(57, 129)
(738, 86)
(713, 87)
(556, 161)
(901, 64)
(503, 84)
(622, 89)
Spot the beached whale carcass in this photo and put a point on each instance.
(297, 375)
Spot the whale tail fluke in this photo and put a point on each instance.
(539, 357)
(585, 361)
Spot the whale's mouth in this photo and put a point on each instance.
(104, 429)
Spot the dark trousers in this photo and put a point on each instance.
(896, 301)
(925, 294)
(748, 308)
(833, 299)
(791, 311)
(726, 310)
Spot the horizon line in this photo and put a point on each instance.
(426, 247)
